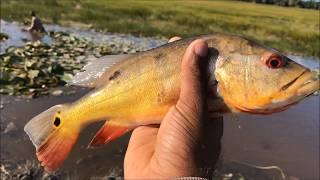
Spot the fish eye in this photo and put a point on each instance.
(274, 61)
(57, 122)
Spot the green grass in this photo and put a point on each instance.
(291, 30)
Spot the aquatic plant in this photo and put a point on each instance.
(37, 68)
(3, 36)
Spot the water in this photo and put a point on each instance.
(310, 62)
(289, 139)
(18, 37)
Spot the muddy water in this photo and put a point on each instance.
(289, 140)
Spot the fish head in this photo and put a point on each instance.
(260, 80)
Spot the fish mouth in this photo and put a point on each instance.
(305, 84)
(291, 93)
(300, 87)
(285, 87)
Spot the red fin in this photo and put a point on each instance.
(108, 132)
(55, 150)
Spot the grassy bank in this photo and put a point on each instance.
(288, 29)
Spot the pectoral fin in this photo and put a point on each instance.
(110, 130)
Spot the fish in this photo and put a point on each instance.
(132, 90)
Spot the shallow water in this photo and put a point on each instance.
(289, 139)
(310, 62)
(18, 37)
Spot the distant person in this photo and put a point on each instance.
(36, 24)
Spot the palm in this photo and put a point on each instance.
(140, 152)
(154, 151)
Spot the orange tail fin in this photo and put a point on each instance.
(56, 149)
(109, 131)
(51, 136)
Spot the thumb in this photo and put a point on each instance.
(193, 81)
(182, 125)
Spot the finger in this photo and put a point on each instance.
(175, 38)
(193, 79)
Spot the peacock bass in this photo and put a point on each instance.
(138, 89)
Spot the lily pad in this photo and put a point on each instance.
(67, 77)
(38, 69)
(3, 36)
(33, 73)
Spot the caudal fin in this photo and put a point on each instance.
(56, 149)
(51, 137)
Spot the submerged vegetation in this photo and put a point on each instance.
(291, 30)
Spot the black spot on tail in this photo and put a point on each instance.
(57, 122)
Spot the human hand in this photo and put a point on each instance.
(186, 141)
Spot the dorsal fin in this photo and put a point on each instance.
(90, 74)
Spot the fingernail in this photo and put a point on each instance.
(201, 49)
